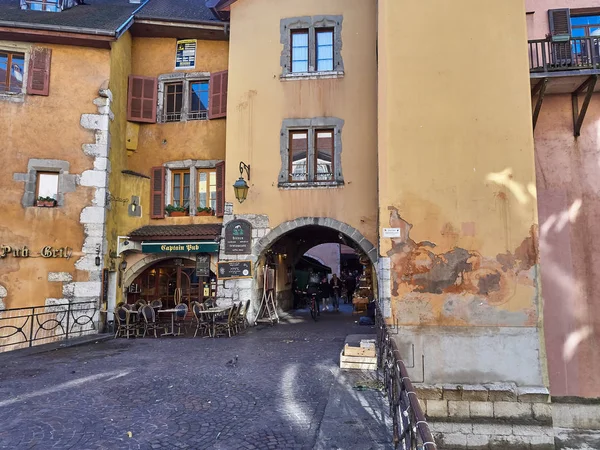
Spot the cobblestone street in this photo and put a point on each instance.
(181, 393)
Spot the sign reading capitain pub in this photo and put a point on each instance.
(238, 237)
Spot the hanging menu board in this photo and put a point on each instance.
(238, 237)
(202, 265)
(234, 269)
(186, 54)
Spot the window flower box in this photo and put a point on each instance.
(205, 212)
(177, 211)
(45, 202)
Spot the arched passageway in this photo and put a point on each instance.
(283, 248)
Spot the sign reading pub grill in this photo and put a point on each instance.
(238, 237)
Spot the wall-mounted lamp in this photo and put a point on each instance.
(133, 205)
(123, 266)
(240, 187)
(97, 259)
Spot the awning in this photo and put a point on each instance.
(163, 233)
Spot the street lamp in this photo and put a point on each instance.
(240, 187)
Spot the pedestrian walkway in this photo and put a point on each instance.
(284, 391)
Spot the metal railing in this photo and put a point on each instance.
(410, 429)
(573, 54)
(26, 327)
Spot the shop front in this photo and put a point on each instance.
(172, 269)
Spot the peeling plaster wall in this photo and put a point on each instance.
(50, 128)
(456, 175)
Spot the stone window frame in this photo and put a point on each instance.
(17, 47)
(193, 166)
(186, 79)
(311, 125)
(66, 182)
(312, 23)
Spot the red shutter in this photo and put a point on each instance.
(218, 95)
(38, 82)
(220, 167)
(142, 99)
(157, 196)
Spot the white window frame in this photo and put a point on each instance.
(17, 47)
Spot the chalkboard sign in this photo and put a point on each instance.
(202, 265)
(238, 237)
(234, 269)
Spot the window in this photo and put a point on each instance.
(585, 26)
(311, 152)
(298, 156)
(207, 189)
(300, 51)
(312, 47)
(324, 155)
(173, 102)
(12, 70)
(324, 50)
(47, 185)
(181, 188)
(198, 100)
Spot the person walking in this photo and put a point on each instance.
(335, 291)
(350, 287)
(325, 292)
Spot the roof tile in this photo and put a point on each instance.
(170, 232)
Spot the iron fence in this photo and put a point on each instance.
(410, 429)
(26, 327)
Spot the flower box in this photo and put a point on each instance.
(205, 213)
(178, 213)
(45, 204)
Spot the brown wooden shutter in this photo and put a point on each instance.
(220, 168)
(38, 82)
(560, 22)
(142, 99)
(218, 95)
(157, 196)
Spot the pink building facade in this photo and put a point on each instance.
(567, 141)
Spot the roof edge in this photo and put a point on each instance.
(59, 28)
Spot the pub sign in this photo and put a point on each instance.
(238, 237)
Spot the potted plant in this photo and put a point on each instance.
(208, 211)
(45, 202)
(176, 211)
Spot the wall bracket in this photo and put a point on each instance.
(578, 115)
(539, 89)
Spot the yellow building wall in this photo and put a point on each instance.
(47, 128)
(258, 102)
(456, 163)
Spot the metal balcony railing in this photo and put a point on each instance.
(410, 428)
(573, 54)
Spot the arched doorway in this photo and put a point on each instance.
(285, 245)
(170, 280)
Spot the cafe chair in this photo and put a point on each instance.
(226, 325)
(148, 320)
(242, 319)
(180, 316)
(125, 325)
(200, 320)
(138, 305)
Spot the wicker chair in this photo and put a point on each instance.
(180, 316)
(148, 320)
(139, 304)
(226, 324)
(125, 325)
(200, 320)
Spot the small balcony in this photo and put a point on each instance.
(569, 66)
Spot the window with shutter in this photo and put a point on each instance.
(220, 169)
(142, 99)
(560, 23)
(218, 95)
(38, 82)
(157, 195)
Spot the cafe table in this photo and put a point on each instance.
(211, 313)
(171, 311)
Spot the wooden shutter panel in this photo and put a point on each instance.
(142, 98)
(560, 22)
(38, 82)
(157, 195)
(220, 167)
(218, 95)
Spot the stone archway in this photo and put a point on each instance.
(352, 233)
